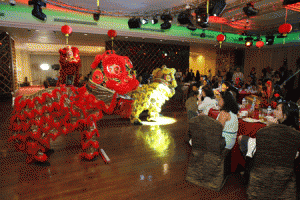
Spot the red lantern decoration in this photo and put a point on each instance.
(221, 38)
(112, 34)
(259, 44)
(284, 29)
(67, 30)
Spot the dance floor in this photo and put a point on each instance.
(147, 162)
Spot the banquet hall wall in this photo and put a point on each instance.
(28, 65)
(203, 58)
(271, 57)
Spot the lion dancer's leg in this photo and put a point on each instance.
(26, 135)
(90, 145)
(135, 114)
(153, 113)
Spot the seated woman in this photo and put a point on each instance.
(228, 118)
(286, 113)
(226, 86)
(208, 101)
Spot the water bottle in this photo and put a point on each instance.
(269, 110)
(244, 102)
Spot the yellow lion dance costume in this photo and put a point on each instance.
(152, 96)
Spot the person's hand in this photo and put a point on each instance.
(271, 120)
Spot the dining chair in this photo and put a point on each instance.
(209, 165)
(272, 175)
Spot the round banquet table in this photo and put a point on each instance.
(245, 128)
(242, 95)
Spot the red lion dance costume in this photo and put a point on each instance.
(52, 112)
(70, 63)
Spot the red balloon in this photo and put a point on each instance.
(221, 38)
(285, 28)
(259, 44)
(66, 29)
(112, 33)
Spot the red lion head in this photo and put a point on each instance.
(114, 72)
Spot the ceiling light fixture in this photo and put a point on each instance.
(134, 23)
(270, 40)
(202, 17)
(184, 18)
(249, 10)
(218, 8)
(96, 15)
(44, 66)
(12, 2)
(145, 21)
(37, 9)
(249, 41)
(167, 18)
(154, 20)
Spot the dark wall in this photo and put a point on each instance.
(239, 57)
(6, 66)
(145, 57)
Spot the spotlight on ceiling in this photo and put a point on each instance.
(288, 2)
(134, 23)
(12, 2)
(44, 66)
(202, 17)
(218, 8)
(249, 41)
(145, 21)
(96, 16)
(249, 10)
(154, 20)
(270, 40)
(184, 18)
(167, 18)
(165, 25)
(37, 9)
(192, 27)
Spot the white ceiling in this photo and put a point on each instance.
(127, 6)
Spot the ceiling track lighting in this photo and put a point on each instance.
(154, 20)
(249, 41)
(145, 21)
(134, 23)
(12, 2)
(249, 10)
(37, 9)
(96, 16)
(270, 40)
(167, 18)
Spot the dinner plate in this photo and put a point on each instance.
(251, 120)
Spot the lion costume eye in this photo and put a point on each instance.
(167, 78)
(97, 77)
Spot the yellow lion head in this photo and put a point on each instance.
(165, 74)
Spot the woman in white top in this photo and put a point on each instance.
(228, 118)
(208, 100)
(286, 113)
